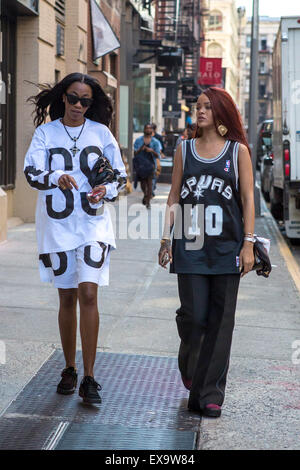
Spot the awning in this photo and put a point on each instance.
(22, 7)
(104, 38)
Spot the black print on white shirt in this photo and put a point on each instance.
(83, 159)
(63, 262)
(65, 154)
(84, 167)
(87, 256)
(86, 206)
(45, 258)
(38, 179)
(69, 205)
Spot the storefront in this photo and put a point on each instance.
(10, 10)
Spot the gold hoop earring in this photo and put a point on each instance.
(222, 130)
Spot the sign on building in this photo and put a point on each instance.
(210, 72)
(104, 38)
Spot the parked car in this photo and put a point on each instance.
(265, 126)
(266, 166)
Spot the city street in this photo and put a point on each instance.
(138, 333)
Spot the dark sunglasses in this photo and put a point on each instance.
(73, 99)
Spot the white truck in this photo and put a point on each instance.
(285, 185)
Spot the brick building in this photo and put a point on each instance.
(42, 41)
(107, 68)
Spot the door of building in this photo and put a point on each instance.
(8, 99)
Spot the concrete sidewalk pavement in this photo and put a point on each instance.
(262, 405)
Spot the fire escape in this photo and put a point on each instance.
(186, 37)
(166, 20)
(190, 37)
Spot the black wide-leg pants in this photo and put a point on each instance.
(205, 322)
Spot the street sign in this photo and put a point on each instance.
(164, 82)
(172, 110)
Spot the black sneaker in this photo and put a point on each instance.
(88, 390)
(68, 383)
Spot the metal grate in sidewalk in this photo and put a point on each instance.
(143, 404)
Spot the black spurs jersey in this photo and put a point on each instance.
(209, 230)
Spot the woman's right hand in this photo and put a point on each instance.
(165, 253)
(67, 182)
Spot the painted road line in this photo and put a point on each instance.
(286, 253)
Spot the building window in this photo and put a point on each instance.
(113, 64)
(214, 50)
(262, 67)
(60, 10)
(247, 85)
(262, 90)
(247, 62)
(263, 44)
(60, 40)
(57, 75)
(60, 14)
(215, 21)
(248, 40)
(141, 105)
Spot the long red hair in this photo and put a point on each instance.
(225, 112)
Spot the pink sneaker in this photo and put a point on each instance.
(212, 410)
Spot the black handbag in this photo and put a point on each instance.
(262, 264)
(102, 172)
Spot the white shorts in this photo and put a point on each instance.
(67, 269)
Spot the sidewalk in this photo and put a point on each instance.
(262, 405)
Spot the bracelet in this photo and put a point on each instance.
(249, 234)
(249, 239)
(164, 240)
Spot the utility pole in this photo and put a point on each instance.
(253, 101)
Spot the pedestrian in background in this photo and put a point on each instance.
(213, 180)
(159, 138)
(146, 153)
(188, 119)
(74, 241)
(186, 135)
(161, 155)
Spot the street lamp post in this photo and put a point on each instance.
(253, 101)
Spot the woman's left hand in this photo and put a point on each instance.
(246, 258)
(98, 194)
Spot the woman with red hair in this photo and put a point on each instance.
(210, 209)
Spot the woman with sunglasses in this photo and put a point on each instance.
(74, 229)
(211, 208)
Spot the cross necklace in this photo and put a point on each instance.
(74, 149)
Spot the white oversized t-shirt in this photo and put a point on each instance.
(65, 219)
